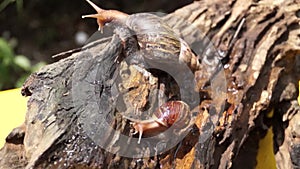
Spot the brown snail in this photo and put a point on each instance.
(175, 113)
(161, 44)
(152, 35)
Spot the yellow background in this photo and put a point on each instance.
(12, 112)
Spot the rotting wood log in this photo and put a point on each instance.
(258, 45)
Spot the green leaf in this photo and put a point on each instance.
(6, 52)
(4, 3)
(19, 4)
(23, 62)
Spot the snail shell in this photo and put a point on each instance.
(153, 35)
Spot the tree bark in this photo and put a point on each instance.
(258, 45)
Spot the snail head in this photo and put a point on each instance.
(105, 16)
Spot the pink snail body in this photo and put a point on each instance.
(175, 113)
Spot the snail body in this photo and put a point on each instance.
(171, 113)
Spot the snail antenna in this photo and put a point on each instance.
(97, 8)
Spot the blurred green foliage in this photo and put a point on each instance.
(5, 3)
(14, 69)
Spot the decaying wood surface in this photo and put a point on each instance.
(258, 43)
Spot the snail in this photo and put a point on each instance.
(176, 113)
(153, 35)
(160, 43)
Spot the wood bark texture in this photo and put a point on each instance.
(259, 46)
